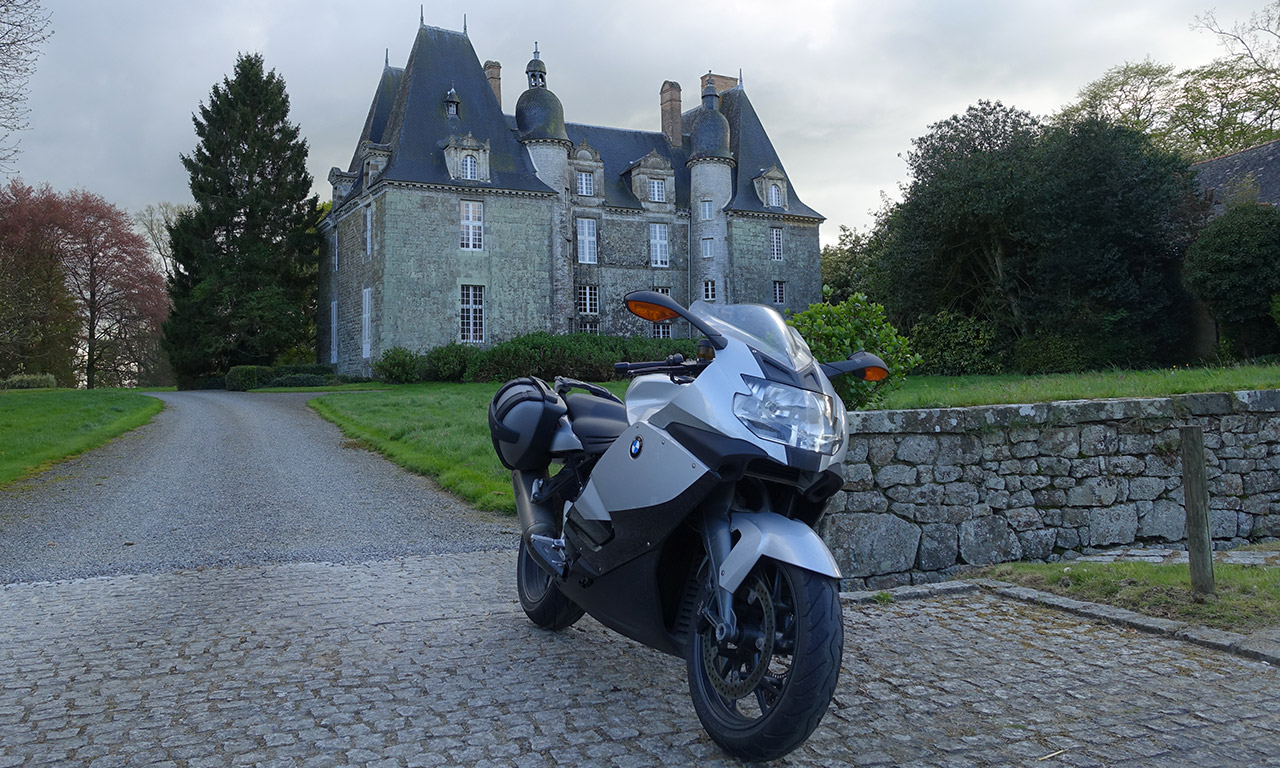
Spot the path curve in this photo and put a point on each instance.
(227, 478)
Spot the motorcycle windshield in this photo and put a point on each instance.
(759, 327)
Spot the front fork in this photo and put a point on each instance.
(717, 538)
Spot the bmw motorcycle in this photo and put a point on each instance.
(684, 517)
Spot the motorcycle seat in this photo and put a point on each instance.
(597, 422)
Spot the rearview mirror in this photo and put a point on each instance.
(863, 365)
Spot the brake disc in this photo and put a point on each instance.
(735, 672)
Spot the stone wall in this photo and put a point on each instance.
(928, 491)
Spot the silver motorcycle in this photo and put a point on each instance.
(684, 517)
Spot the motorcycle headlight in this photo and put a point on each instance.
(789, 415)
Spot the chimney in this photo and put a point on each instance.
(722, 82)
(493, 71)
(670, 99)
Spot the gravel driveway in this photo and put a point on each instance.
(227, 478)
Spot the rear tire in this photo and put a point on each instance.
(542, 600)
(761, 700)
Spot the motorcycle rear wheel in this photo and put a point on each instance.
(542, 601)
(761, 697)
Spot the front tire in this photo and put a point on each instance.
(761, 697)
(542, 600)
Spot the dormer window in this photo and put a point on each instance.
(657, 190)
(586, 183)
(467, 158)
(771, 186)
(451, 103)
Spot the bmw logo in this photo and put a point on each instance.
(637, 445)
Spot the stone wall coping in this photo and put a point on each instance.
(981, 418)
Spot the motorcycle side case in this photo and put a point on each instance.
(522, 421)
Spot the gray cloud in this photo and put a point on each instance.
(842, 87)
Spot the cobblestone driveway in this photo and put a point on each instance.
(427, 660)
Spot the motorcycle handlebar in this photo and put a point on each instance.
(671, 361)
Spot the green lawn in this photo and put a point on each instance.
(1247, 599)
(42, 426)
(949, 391)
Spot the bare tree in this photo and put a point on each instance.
(24, 25)
(155, 221)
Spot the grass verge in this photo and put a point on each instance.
(437, 429)
(440, 430)
(1247, 599)
(43, 426)
(953, 391)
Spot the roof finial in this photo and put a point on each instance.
(740, 85)
(464, 25)
(535, 50)
(386, 58)
(422, 20)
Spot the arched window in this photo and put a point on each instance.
(775, 196)
(469, 167)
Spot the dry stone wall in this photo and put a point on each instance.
(929, 491)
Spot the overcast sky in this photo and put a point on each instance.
(842, 86)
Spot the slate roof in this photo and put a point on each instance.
(417, 126)
(375, 124)
(754, 154)
(620, 149)
(408, 115)
(1224, 175)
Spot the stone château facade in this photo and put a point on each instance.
(455, 222)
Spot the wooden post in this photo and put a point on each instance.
(1195, 493)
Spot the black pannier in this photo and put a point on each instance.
(522, 419)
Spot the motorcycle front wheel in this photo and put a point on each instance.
(761, 694)
(542, 600)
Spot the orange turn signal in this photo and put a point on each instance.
(874, 373)
(651, 312)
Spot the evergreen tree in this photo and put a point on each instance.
(245, 257)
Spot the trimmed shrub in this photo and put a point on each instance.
(396, 366)
(954, 345)
(447, 363)
(835, 331)
(302, 380)
(29, 381)
(242, 378)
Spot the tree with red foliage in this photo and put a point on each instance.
(118, 288)
(38, 317)
(80, 296)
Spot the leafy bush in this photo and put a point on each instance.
(29, 381)
(303, 380)
(955, 345)
(396, 366)
(580, 356)
(242, 378)
(1047, 353)
(1232, 267)
(447, 363)
(835, 331)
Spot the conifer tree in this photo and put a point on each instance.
(245, 257)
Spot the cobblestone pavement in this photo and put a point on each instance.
(427, 660)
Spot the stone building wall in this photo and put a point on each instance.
(753, 269)
(928, 491)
